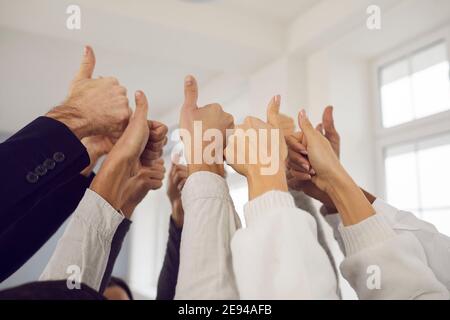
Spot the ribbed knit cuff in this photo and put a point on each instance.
(265, 204)
(367, 233)
(204, 184)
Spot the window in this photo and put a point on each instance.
(416, 86)
(413, 129)
(417, 177)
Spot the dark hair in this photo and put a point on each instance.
(113, 282)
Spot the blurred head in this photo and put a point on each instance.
(117, 290)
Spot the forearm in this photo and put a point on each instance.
(110, 180)
(39, 224)
(349, 200)
(205, 255)
(278, 255)
(90, 244)
(381, 264)
(72, 118)
(259, 184)
(46, 156)
(168, 276)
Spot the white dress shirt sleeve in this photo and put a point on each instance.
(210, 221)
(90, 244)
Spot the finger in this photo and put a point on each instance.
(295, 145)
(148, 156)
(298, 166)
(141, 106)
(301, 176)
(159, 161)
(157, 132)
(190, 92)
(181, 184)
(175, 159)
(297, 159)
(179, 176)
(87, 64)
(319, 128)
(305, 125)
(155, 174)
(328, 120)
(296, 183)
(273, 108)
(156, 146)
(172, 171)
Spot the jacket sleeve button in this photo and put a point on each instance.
(40, 170)
(49, 164)
(59, 157)
(32, 177)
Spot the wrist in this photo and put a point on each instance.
(259, 184)
(71, 118)
(177, 215)
(110, 180)
(349, 200)
(128, 209)
(214, 168)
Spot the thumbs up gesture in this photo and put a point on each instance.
(321, 155)
(194, 122)
(279, 120)
(123, 161)
(257, 150)
(94, 106)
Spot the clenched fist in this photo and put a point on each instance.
(94, 106)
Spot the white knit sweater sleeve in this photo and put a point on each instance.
(205, 270)
(278, 256)
(381, 264)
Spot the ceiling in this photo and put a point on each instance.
(276, 11)
(153, 44)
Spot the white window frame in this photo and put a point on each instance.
(415, 130)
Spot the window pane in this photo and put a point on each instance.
(401, 178)
(416, 87)
(417, 178)
(431, 90)
(396, 98)
(397, 103)
(434, 173)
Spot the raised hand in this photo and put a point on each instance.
(299, 169)
(331, 177)
(258, 151)
(121, 163)
(195, 121)
(156, 142)
(96, 146)
(329, 130)
(280, 120)
(136, 188)
(177, 178)
(93, 106)
(321, 155)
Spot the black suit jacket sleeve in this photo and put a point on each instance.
(50, 290)
(24, 238)
(35, 161)
(168, 276)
